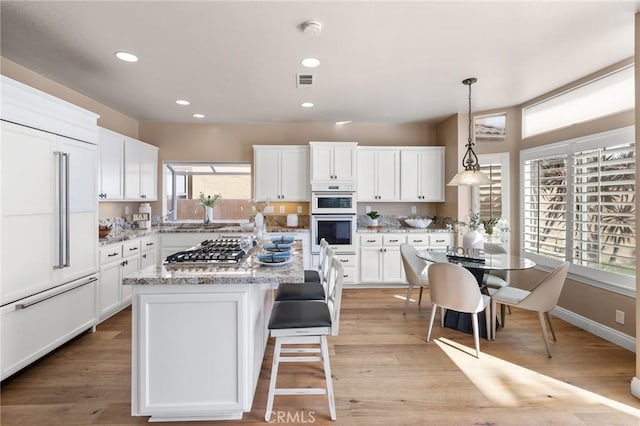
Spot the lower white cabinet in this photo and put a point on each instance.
(197, 350)
(380, 260)
(119, 260)
(350, 267)
(35, 325)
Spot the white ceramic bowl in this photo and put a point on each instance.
(247, 226)
(418, 223)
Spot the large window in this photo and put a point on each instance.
(493, 199)
(578, 205)
(607, 95)
(184, 181)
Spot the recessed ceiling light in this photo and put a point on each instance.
(306, 104)
(126, 56)
(183, 102)
(196, 115)
(310, 62)
(342, 123)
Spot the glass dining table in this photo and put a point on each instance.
(478, 266)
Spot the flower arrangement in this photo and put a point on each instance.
(209, 201)
(474, 222)
(373, 215)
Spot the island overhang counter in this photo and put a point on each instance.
(198, 337)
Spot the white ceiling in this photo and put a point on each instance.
(381, 62)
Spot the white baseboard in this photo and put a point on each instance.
(607, 333)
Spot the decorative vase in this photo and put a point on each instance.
(208, 214)
(373, 222)
(473, 239)
(259, 220)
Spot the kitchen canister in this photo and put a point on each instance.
(145, 208)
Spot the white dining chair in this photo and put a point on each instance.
(542, 298)
(308, 323)
(453, 287)
(415, 270)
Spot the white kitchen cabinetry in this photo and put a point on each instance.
(111, 175)
(140, 170)
(380, 260)
(333, 162)
(378, 174)
(422, 174)
(197, 350)
(350, 267)
(281, 173)
(119, 260)
(431, 241)
(148, 251)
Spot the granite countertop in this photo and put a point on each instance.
(130, 234)
(249, 272)
(402, 229)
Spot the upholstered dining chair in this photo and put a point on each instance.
(453, 287)
(308, 290)
(306, 322)
(415, 270)
(542, 298)
(495, 280)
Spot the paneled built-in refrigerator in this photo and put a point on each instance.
(49, 242)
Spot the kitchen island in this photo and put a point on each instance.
(198, 337)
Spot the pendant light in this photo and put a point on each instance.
(471, 175)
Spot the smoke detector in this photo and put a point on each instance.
(311, 27)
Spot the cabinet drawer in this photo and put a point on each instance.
(130, 248)
(371, 240)
(440, 240)
(110, 253)
(418, 240)
(148, 243)
(349, 275)
(348, 260)
(393, 240)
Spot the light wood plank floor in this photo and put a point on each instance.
(384, 374)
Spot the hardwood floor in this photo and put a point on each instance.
(384, 374)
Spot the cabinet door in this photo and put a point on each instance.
(344, 163)
(83, 159)
(410, 175)
(131, 267)
(367, 175)
(432, 174)
(28, 211)
(109, 290)
(392, 270)
(132, 169)
(294, 174)
(370, 264)
(266, 174)
(111, 182)
(388, 175)
(322, 162)
(148, 171)
(147, 259)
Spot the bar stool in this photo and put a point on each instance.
(312, 275)
(308, 290)
(306, 322)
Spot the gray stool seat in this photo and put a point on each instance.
(300, 291)
(311, 276)
(299, 314)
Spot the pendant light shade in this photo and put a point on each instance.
(471, 175)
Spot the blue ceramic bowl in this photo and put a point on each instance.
(284, 239)
(273, 257)
(278, 247)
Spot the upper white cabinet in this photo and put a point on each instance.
(378, 174)
(333, 162)
(111, 179)
(140, 170)
(128, 168)
(281, 173)
(422, 174)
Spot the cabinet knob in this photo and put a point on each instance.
(143, 196)
(417, 241)
(344, 260)
(144, 256)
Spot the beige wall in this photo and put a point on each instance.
(637, 118)
(234, 142)
(447, 136)
(109, 118)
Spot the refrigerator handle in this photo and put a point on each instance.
(64, 241)
(67, 216)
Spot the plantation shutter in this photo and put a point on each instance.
(491, 194)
